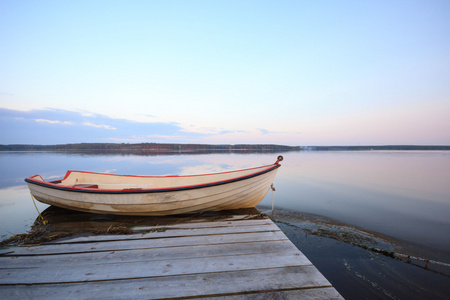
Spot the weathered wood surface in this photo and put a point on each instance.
(226, 259)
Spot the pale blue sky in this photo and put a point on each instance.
(286, 72)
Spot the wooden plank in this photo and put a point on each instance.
(281, 280)
(226, 223)
(140, 255)
(328, 293)
(107, 271)
(173, 231)
(249, 259)
(149, 243)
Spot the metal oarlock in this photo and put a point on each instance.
(279, 158)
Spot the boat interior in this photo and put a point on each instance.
(88, 180)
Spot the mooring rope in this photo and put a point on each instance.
(273, 189)
(40, 216)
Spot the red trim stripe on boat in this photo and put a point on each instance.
(54, 184)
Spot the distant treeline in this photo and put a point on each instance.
(157, 148)
(369, 148)
(149, 147)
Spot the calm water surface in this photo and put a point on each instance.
(405, 195)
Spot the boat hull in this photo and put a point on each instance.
(236, 194)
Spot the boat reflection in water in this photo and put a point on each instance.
(63, 222)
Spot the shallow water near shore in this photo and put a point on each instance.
(401, 199)
(362, 264)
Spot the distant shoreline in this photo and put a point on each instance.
(207, 148)
(151, 148)
(386, 147)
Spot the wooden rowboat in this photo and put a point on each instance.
(155, 195)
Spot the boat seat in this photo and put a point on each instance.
(86, 185)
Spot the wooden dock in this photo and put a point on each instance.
(237, 257)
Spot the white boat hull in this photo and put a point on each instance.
(215, 196)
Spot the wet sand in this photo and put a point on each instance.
(359, 264)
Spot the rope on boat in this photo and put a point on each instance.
(273, 189)
(279, 158)
(40, 216)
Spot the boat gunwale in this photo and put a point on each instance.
(68, 188)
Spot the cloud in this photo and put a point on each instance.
(53, 121)
(147, 115)
(263, 131)
(231, 131)
(56, 126)
(51, 126)
(99, 126)
(208, 131)
(266, 132)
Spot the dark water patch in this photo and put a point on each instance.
(58, 223)
(362, 264)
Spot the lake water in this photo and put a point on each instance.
(402, 194)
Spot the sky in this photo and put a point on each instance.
(225, 72)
